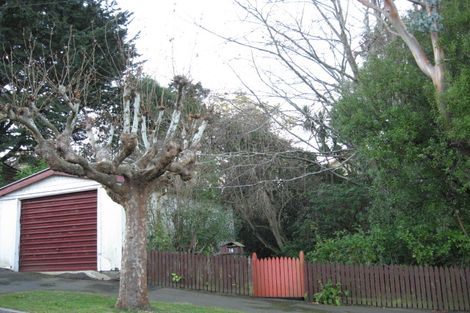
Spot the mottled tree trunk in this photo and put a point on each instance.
(133, 293)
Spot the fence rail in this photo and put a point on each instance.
(393, 286)
(222, 274)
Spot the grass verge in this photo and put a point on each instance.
(80, 302)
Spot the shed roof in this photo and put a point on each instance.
(24, 182)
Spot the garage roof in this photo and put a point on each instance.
(24, 182)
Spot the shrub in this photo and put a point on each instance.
(329, 294)
(355, 248)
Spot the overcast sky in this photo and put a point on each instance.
(173, 44)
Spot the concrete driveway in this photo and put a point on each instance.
(15, 282)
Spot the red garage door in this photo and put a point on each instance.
(58, 233)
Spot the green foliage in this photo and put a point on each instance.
(158, 237)
(176, 278)
(430, 246)
(329, 294)
(398, 243)
(188, 225)
(2, 180)
(329, 207)
(154, 96)
(456, 40)
(336, 206)
(418, 178)
(422, 21)
(458, 98)
(201, 226)
(30, 169)
(408, 191)
(90, 32)
(156, 100)
(357, 248)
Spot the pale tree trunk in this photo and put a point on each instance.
(133, 291)
(436, 71)
(271, 214)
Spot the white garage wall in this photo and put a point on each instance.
(9, 233)
(110, 219)
(111, 222)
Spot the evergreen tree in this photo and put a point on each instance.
(417, 164)
(61, 32)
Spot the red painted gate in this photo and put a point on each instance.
(278, 277)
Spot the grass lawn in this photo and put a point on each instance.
(80, 302)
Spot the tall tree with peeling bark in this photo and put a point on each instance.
(433, 64)
(131, 155)
(442, 60)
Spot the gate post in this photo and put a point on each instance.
(302, 273)
(254, 273)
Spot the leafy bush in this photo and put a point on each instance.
(329, 294)
(355, 248)
(399, 243)
(31, 169)
(417, 174)
(439, 246)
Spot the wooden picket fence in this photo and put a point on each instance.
(393, 286)
(221, 274)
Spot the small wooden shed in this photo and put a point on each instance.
(231, 247)
(51, 221)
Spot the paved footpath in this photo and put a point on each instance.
(14, 282)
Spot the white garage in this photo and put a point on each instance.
(52, 221)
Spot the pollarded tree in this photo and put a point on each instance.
(132, 155)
